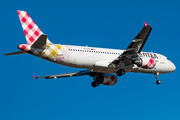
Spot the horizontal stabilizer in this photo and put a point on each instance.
(16, 53)
(40, 42)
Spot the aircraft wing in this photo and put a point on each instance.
(136, 46)
(139, 41)
(79, 73)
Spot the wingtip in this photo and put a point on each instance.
(35, 77)
(145, 24)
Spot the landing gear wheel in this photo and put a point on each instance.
(95, 83)
(120, 72)
(158, 82)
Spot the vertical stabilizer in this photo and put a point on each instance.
(31, 30)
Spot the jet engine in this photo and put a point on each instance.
(109, 79)
(145, 62)
(105, 79)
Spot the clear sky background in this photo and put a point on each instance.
(96, 23)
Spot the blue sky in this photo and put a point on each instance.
(98, 23)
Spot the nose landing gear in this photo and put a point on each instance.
(158, 81)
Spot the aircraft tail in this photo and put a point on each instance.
(40, 43)
(34, 36)
(31, 30)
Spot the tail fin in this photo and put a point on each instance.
(31, 30)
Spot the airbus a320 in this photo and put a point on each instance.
(104, 65)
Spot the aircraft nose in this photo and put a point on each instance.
(172, 67)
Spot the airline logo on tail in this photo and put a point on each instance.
(31, 30)
(37, 43)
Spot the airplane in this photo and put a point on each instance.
(104, 65)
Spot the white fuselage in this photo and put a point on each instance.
(97, 60)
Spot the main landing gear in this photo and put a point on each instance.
(158, 81)
(95, 83)
(98, 79)
(120, 72)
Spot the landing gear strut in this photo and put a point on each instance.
(120, 72)
(158, 81)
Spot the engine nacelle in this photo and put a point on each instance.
(107, 79)
(145, 62)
